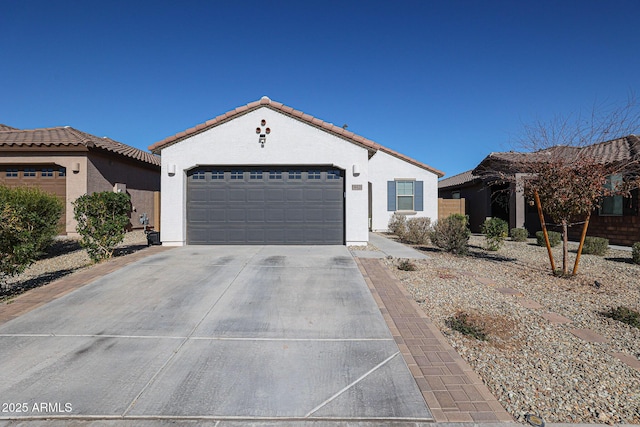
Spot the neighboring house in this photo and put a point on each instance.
(617, 220)
(481, 201)
(69, 163)
(265, 173)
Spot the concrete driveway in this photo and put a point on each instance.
(251, 333)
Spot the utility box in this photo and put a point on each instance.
(153, 238)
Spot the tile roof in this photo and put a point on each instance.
(459, 179)
(623, 149)
(5, 127)
(70, 137)
(296, 114)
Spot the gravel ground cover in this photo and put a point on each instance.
(64, 257)
(531, 364)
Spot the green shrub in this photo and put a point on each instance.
(635, 253)
(595, 245)
(451, 234)
(417, 231)
(624, 315)
(495, 230)
(398, 224)
(102, 220)
(28, 223)
(554, 238)
(519, 234)
(466, 325)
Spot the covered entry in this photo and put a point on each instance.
(265, 205)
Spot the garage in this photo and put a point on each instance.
(274, 205)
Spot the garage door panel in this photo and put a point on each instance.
(237, 195)
(255, 215)
(255, 195)
(301, 207)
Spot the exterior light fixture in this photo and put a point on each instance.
(262, 134)
(171, 169)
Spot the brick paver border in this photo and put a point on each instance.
(451, 389)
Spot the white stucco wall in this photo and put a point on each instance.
(384, 167)
(291, 142)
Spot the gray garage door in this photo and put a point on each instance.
(268, 205)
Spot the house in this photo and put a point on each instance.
(265, 173)
(617, 220)
(69, 163)
(481, 200)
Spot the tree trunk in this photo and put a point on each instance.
(544, 230)
(584, 234)
(565, 248)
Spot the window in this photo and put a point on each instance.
(275, 174)
(12, 173)
(333, 174)
(237, 174)
(199, 175)
(455, 195)
(255, 175)
(62, 172)
(47, 173)
(217, 175)
(314, 174)
(405, 193)
(612, 205)
(295, 174)
(29, 173)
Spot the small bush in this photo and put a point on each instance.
(495, 230)
(398, 224)
(519, 234)
(451, 234)
(417, 231)
(28, 223)
(595, 245)
(635, 253)
(466, 325)
(406, 265)
(624, 315)
(102, 219)
(554, 238)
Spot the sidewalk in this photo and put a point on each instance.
(387, 247)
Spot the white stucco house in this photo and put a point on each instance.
(265, 173)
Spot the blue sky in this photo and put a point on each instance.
(444, 82)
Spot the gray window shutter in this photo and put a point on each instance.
(391, 195)
(419, 196)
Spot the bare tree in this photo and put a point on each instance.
(568, 162)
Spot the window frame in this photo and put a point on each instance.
(616, 202)
(404, 197)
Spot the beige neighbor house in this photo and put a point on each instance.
(69, 163)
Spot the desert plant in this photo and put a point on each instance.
(495, 230)
(406, 265)
(466, 325)
(554, 238)
(102, 219)
(519, 234)
(595, 245)
(451, 234)
(28, 222)
(398, 224)
(625, 315)
(417, 231)
(635, 253)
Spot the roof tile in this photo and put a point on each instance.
(67, 137)
(265, 101)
